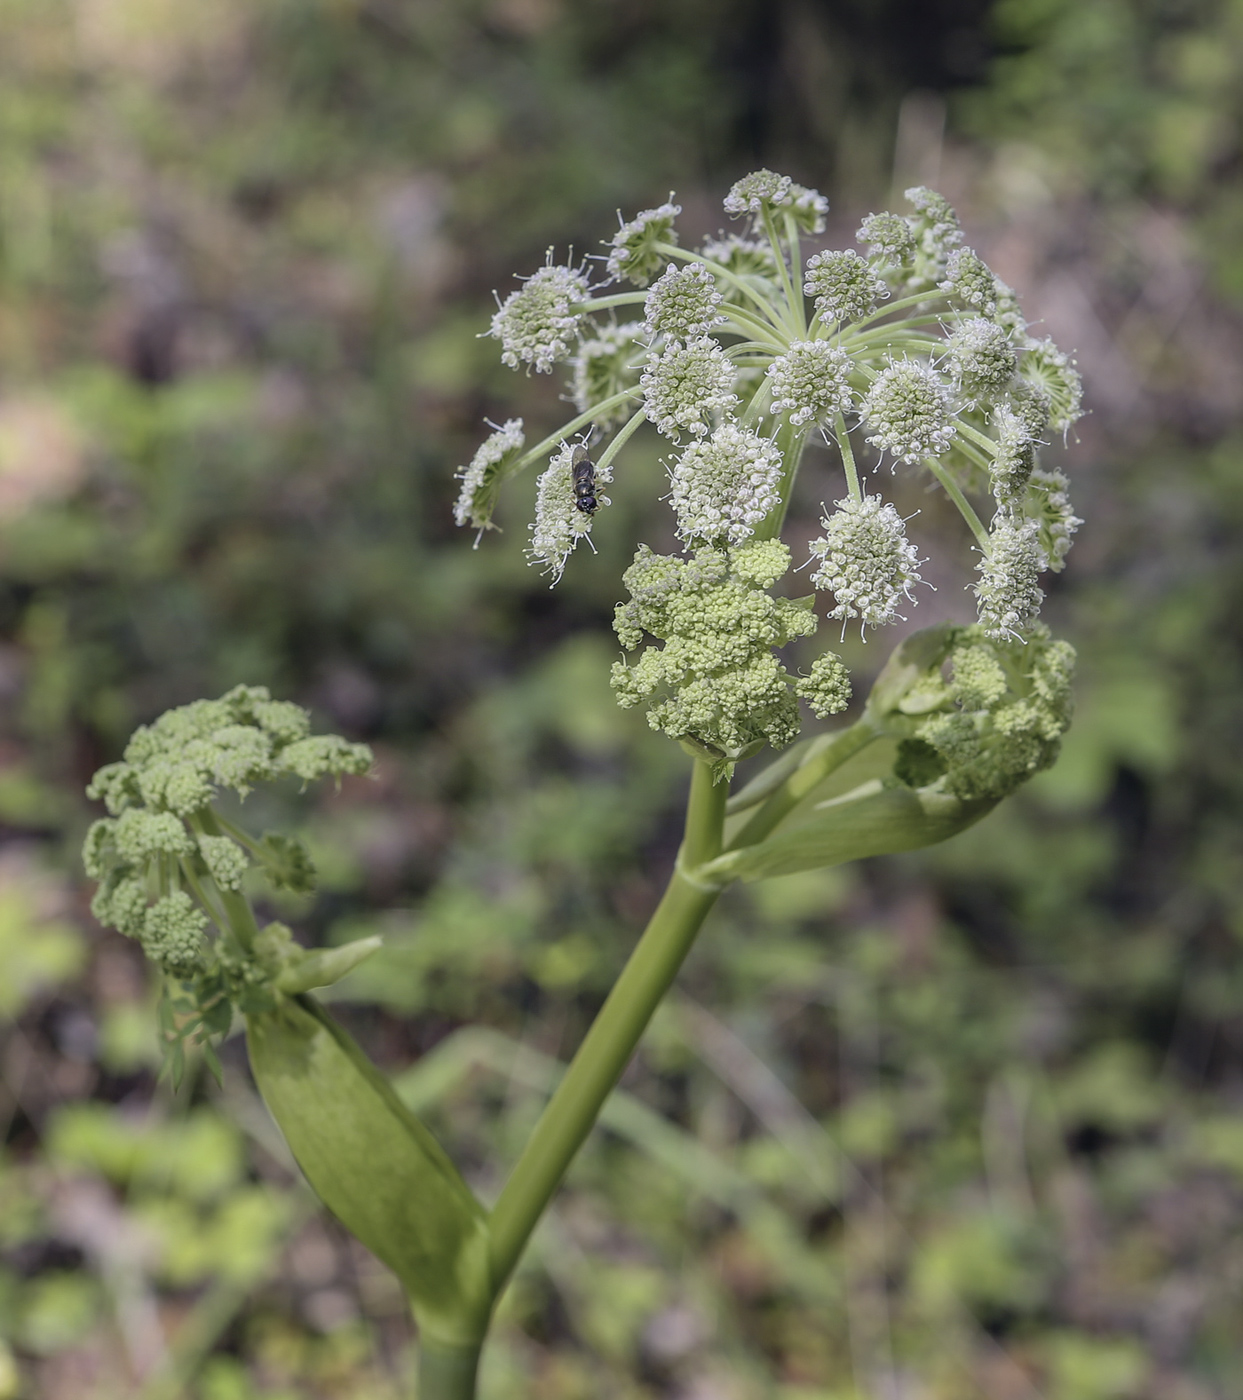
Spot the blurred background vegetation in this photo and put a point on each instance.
(962, 1124)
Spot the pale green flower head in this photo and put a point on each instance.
(982, 714)
(906, 353)
(482, 476)
(635, 250)
(845, 287)
(605, 367)
(538, 324)
(687, 387)
(170, 868)
(724, 487)
(1008, 589)
(811, 382)
(982, 360)
(684, 304)
(866, 562)
(908, 411)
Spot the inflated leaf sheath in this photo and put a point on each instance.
(374, 1165)
(875, 819)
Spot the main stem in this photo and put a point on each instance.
(572, 1111)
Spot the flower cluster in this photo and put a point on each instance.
(686, 387)
(683, 304)
(537, 325)
(560, 522)
(983, 715)
(724, 487)
(810, 382)
(907, 350)
(164, 843)
(716, 682)
(634, 251)
(866, 561)
(845, 286)
(908, 411)
(481, 478)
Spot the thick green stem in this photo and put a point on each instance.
(447, 1372)
(592, 1076)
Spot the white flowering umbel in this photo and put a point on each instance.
(908, 411)
(905, 351)
(686, 387)
(866, 561)
(559, 521)
(538, 325)
(723, 488)
(482, 476)
(810, 382)
(1008, 589)
(606, 367)
(684, 304)
(635, 249)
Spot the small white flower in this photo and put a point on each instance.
(474, 503)
(685, 385)
(724, 487)
(867, 562)
(684, 304)
(559, 524)
(633, 252)
(810, 382)
(908, 410)
(982, 358)
(844, 285)
(1008, 592)
(754, 192)
(535, 324)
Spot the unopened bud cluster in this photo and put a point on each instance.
(170, 867)
(906, 352)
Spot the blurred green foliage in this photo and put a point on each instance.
(960, 1124)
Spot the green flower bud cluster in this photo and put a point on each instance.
(985, 715)
(168, 865)
(716, 682)
(907, 352)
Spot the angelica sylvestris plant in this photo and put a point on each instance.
(739, 354)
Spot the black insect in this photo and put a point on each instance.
(583, 470)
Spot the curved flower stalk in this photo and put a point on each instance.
(737, 353)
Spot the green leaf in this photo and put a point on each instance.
(375, 1166)
(875, 819)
